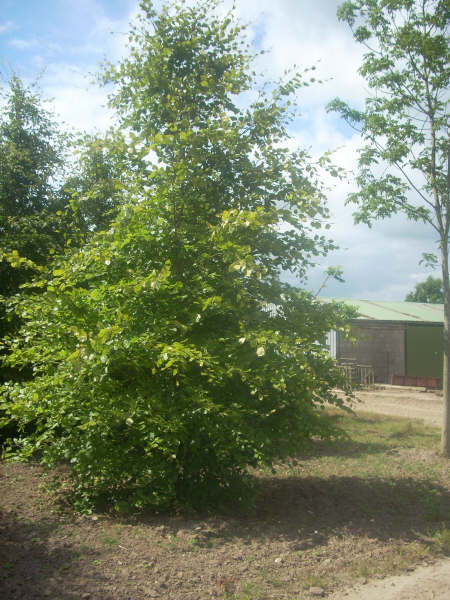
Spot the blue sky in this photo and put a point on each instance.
(54, 30)
(63, 41)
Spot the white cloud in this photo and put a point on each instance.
(105, 36)
(74, 101)
(6, 26)
(23, 44)
(307, 33)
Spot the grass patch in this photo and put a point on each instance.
(366, 502)
(440, 540)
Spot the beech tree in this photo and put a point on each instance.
(168, 355)
(404, 166)
(96, 183)
(31, 161)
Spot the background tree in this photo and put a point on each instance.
(98, 180)
(42, 207)
(428, 291)
(167, 354)
(404, 166)
(31, 211)
(43, 210)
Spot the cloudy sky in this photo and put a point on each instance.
(63, 41)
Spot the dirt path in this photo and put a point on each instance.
(425, 583)
(415, 403)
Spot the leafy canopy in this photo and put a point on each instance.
(405, 121)
(167, 354)
(428, 291)
(97, 182)
(31, 161)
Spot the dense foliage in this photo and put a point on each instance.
(429, 291)
(167, 354)
(404, 165)
(96, 183)
(43, 209)
(32, 222)
(30, 157)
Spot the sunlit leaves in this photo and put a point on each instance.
(167, 354)
(405, 121)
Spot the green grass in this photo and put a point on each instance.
(440, 540)
(373, 447)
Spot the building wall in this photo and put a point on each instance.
(381, 345)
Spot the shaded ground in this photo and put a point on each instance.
(350, 512)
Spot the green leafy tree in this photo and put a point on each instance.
(31, 219)
(97, 181)
(429, 291)
(404, 166)
(167, 354)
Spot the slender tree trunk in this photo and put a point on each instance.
(445, 375)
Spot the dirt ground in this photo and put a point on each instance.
(309, 536)
(431, 582)
(415, 403)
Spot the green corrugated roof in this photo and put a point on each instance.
(378, 310)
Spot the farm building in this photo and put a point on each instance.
(401, 341)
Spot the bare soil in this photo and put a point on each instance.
(411, 402)
(315, 531)
(431, 582)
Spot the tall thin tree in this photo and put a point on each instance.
(404, 166)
